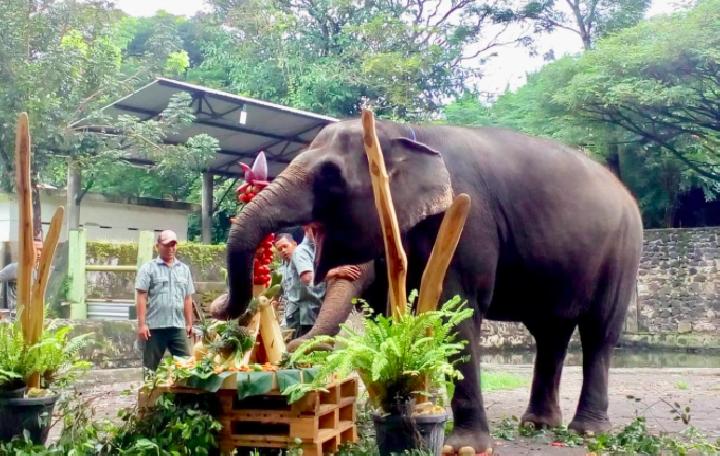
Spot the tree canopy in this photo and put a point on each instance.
(643, 96)
(645, 101)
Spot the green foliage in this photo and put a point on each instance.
(62, 61)
(495, 381)
(231, 338)
(169, 429)
(55, 356)
(590, 19)
(206, 261)
(642, 101)
(335, 55)
(658, 82)
(174, 427)
(201, 256)
(124, 252)
(634, 438)
(393, 357)
(13, 362)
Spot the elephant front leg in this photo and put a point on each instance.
(470, 421)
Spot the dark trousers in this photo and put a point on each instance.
(173, 340)
(301, 330)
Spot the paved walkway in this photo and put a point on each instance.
(697, 388)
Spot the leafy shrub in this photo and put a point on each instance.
(395, 358)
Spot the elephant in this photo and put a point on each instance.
(553, 240)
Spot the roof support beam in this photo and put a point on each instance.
(209, 123)
(294, 138)
(207, 207)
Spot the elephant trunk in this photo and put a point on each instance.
(337, 304)
(287, 201)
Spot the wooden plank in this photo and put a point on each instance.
(26, 261)
(76, 274)
(442, 253)
(396, 258)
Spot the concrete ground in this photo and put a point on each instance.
(698, 388)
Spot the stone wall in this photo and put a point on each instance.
(678, 302)
(679, 285)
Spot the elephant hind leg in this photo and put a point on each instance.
(551, 347)
(591, 414)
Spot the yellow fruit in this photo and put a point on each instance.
(199, 351)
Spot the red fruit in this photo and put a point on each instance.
(251, 195)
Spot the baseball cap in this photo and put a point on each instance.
(166, 237)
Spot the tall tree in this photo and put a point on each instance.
(61, 61)
(660, 83)
(403, 56)
(590, 19)
(645, 101)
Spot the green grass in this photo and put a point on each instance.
(494, 381)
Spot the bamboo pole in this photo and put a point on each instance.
(442, 253)
(25, 229)
(40, 285)
(396, 259)
(270, 332)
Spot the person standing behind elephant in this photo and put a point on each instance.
(301, 299)
(164, 303)
(9, 274)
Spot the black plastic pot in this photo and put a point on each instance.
(31, 413)
(397, 433)
(12, 391)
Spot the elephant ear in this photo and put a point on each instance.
(419, 181)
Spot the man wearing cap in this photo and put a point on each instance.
(164, 303)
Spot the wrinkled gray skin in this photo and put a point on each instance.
(552, 240)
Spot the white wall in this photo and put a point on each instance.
(102, 220)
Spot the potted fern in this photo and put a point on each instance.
(12, 362)
(400, 361)
(54, 358)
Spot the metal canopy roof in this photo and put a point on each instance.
(243, 126)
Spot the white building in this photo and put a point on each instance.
(104, 217)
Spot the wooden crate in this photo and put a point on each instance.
(320, 422)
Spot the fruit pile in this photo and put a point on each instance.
(263, 259)
(255, 182)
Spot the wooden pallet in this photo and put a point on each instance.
(319, 422)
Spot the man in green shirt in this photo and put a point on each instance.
(164, 303)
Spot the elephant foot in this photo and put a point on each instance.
(542, 420)
(463, 441)
(295, 343)
(585, 423)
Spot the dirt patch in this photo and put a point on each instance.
(697, 388)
